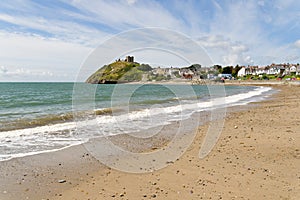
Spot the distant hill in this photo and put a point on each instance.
(122, 71)
(119, 71)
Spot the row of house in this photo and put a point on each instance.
(192, 72)
(185, 73)
(173, 72)
(273, 69)
(196, 71)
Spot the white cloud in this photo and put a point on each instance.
(243, 32)
(297, 44)
(38, 55)
(214, 41)
(22, 72)
(239, 48)
(253, 30)
(261, 3)
(3, 70)
(130, 2)
(63, 30)
(123, 16)
(234, 59)
(238, 22)
(13, 73)
(224, 51)
(217, 5)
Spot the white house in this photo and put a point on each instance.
(289, 70)
(261, 70)
(273, 70)
(241, 72)
(293, 69)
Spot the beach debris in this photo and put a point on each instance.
(62, 181)
(169, 162)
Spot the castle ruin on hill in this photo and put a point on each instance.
(129, 59)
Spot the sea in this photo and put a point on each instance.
(43, 117)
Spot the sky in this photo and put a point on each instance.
(50, 40)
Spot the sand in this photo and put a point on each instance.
(256, 157)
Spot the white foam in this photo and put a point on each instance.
(20, 155)
(135, 115)
(117, 124)
(39, 129)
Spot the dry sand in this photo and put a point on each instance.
(256, 157)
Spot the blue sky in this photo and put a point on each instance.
(48, 40)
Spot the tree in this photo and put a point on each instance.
(227, 70)
(218, 67)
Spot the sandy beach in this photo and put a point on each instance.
(256, 157)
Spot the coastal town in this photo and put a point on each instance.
(128, 70)
(274, 71)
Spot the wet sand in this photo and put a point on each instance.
(256, 157)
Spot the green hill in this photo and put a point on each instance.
(119, 71)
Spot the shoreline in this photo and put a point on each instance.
(227, 82)
(27, 131)
(262, 82)
(83, 173)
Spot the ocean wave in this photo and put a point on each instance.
(49, 119)
(57, 131)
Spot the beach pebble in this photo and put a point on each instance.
(62, 181)
(235, 127)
